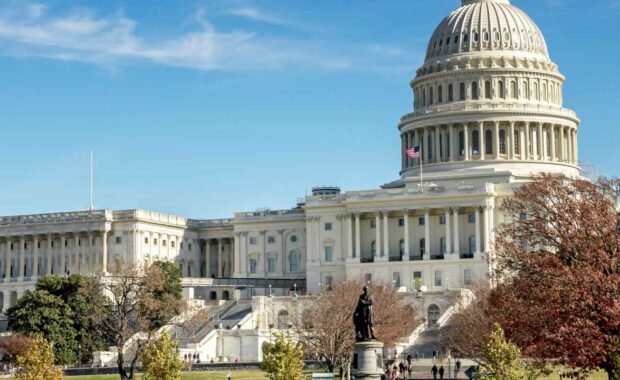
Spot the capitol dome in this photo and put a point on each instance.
(482, 26)
(488, 98)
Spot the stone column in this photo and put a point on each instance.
(437, 155)
(9, 259)
(79, 266)
(386, 238)
(466, 142)
(349, 236)
(541, 143)
(453, 144)
(561, 143)
(448, 239)
(522, 146)
(496, 128)
(457, 249)
(575, 147)
(104, 253)
(208, 270)
(358, 248)
(378, 234)
(220, 270)
(425, 145)
(403, 150)
(427, 234)
(481, 140)
(445, 154)
(512, 140)
(406, 235)
(91, 253)
(487, 228)
(35, 258)
(553, 143)
(21, 258)
(527, 142)
(478, 250)
(48, 260)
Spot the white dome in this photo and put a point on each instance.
(483, 26)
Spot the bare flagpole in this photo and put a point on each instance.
(91, 208)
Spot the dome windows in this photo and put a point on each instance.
(502, 90)
(465, 38)
(513, 90)
(476, 37)
(486, 36)
(450, 93)
(474, 91)
(456, 39)
(487, 89)
(440, 94)
(462, 91)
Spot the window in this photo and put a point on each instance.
(526, 90)
(472, 244)
(488, 142)
(462, 91)
(293, 238)
(474, 90)
(465, 37)
(523, 216)
(467, 277)
(373, 249)
(442, 219)
(502, 141)
(422, 246)
(517, 143)
(440, 94)
(329, 254)
(252, 265)
(437, 278)
(475, 143)
(328, 226)
(253, 240)
(502, 90)
(271, 265)
(368, 279)
(181, 245)
(189, 246)
(536, 93)
(422, 221)
(429, 147)
(513, 90)
(417, 280)
(401, 247)
(293, 262)
(373, 223)
(487, 89)
(423, 97)
(118, 240)
(146, 240)
(461, 143)
(155, 241)
(328, 283)
(448, 41)
(431, 96)
(271, 240)
(456, 39)
(471, 218)
(163, 242)
(396, 279)
(442, 246)
(450, 93)
(172, 243)
(401, 222)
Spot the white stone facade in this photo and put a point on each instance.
(487, 115)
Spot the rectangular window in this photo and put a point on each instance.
(155, 241)
(417, 280)
(373, 223)
(118, 240)
(442, 220)
(146, 240)
(253, 240)
(181, 245)
(38, 244)
(271, 240)
(422, 221)
(189, 246)
(66, 243)
(163, 242)
(329, 253)
(328, 226)
(471, 218)
(271, 264)
(467, 277)
(252, 265)
(328, 283)
(401, 222)
(172, 243)
(396, 279)
(368, 279)
(437, 278)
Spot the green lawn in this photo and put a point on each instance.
(237, 375)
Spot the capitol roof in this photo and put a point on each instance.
(486, 26)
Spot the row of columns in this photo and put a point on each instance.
(220, 270)
(21, 256)
(483, 214)
(523, 141)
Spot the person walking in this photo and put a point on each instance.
(434, 371)
(441, 372)
(457, 367)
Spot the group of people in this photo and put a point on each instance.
(404, 368)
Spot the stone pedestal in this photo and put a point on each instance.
(368, 360)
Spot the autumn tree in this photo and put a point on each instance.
(140, 305)
(558, 268)
(161, 361)
(502, 358)
(13, 346)
(37, 362)
(283, 360)
(325, 327)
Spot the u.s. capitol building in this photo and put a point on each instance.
(487, 115)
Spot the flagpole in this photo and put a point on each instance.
(92, 207)
(421, 168)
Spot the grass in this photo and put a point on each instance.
(215, 375)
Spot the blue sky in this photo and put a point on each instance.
(206, 107)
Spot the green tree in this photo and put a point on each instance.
(37, 363)
(169, 289)
(42, 313)
(283, 359)
(161, 361)
(502, 358)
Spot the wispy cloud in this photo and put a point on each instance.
(259, 15)
(113, 40)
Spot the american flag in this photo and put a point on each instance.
(413, 152)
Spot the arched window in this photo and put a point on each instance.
(442, 246)
(526, 90)
(450, 93)
(373, 249)
(213, 295)
(283, 319)
(462, 91)
(422, 246)
(440, 94)
(474, 90)
(502, 90)
(548, 139)
(465, 37)
(433, 314)
(472, 244)
(225, 295)
(423, 97)
(513, 90)
(456, 39)
(429, 147)
(475, 142)
(517, 143)
(461, 143)
(487, 89)
(476, 37)
(488, 142)
(293, 262)
(536, 93)
(544, 92)
(431, 97)
(486, 36)
(401, 247)
(502, 141)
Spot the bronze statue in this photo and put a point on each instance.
(362, 318)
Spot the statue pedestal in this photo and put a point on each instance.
(368, 360)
